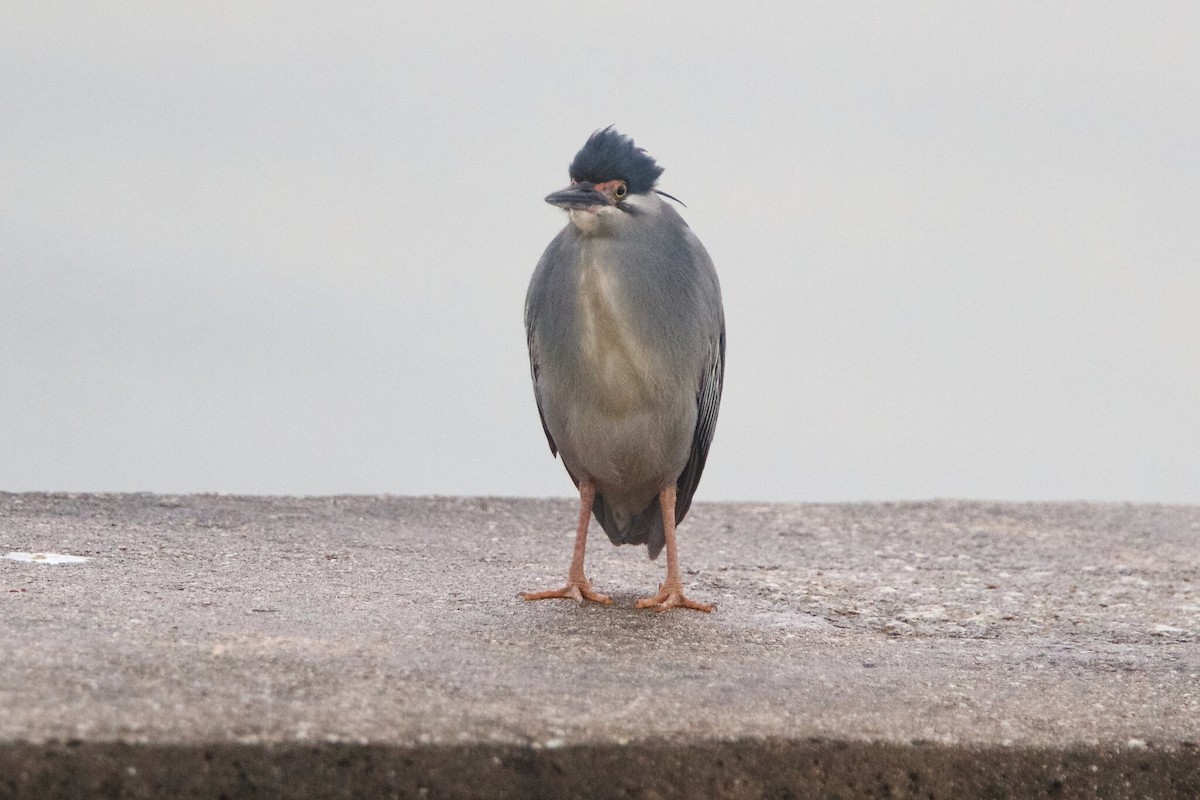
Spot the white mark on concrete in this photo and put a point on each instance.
(45, 558)
(1166, 630)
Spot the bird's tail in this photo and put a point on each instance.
(644, 527)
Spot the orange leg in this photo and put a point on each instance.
(578, 587)
(670, 592)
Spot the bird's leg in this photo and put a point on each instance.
(670, 592)
(578, 587)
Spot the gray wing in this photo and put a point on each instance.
(708, 402)
(530, 323)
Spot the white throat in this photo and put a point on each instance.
(586, 221)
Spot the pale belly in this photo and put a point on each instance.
(636, 452)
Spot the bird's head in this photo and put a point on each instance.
(610, 176)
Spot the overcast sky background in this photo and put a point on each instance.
(283, 248)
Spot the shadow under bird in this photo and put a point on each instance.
(626, 338)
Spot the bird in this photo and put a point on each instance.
(626, 335)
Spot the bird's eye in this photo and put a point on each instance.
(620, 191)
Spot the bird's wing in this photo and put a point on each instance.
(530, 324)
(542, 416)
(708, 402)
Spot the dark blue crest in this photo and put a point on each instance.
(609, 156)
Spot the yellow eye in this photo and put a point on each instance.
(620, 191)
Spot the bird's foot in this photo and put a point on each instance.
(577, 590)
(673, 597)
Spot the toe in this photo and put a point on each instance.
(579, 592)
(666, 600)
(596, 597)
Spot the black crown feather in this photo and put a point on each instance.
(609, 156)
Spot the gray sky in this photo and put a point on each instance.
(283, 248)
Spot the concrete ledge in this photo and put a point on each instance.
(374, 646)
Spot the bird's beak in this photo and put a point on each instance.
(582, 195)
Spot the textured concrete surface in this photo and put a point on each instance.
(376, 646)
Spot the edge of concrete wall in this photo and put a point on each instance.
(768, 768)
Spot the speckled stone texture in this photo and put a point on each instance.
(376, 646)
